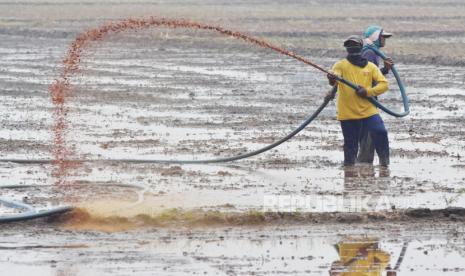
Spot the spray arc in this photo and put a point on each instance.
(60, 90)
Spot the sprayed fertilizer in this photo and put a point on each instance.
(91, 214)
(62, 152)
(61, 88)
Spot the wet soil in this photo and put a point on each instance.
(183, 94)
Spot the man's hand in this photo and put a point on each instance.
(388, 63)
(361, 92)
(331, 78)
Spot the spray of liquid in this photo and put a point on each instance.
(60, 89)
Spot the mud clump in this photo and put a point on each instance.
(455, 213)
(81, 219)
(349, 218)
(224, 173)
(419, 213)
(376, 216)
(172, 171)
(458, 211)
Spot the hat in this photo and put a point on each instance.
(385, 34)
(353, 39)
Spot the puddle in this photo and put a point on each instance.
(310, 250)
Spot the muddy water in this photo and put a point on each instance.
(230, 113)
(273, 251)
(177, 94)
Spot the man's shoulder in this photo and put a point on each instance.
(372, 66)
(370, 55)
(342, 62)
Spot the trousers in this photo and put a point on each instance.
(374, 127)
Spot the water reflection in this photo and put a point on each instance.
(364, 171)
(361, 256)
(367, 188)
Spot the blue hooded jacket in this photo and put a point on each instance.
(371, 38)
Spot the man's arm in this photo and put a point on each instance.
(335, 71)
(372, 57)
(381, 83)
(388, 63)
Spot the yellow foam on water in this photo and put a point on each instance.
(118, 215)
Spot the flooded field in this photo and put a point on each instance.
(303, 250)
(169, 94)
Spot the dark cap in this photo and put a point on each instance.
(353, 40)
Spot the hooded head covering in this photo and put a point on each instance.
(372, 35)
(353, 45)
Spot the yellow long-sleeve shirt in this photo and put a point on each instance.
(355, 263)
(349, 105)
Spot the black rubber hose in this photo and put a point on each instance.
(35, 214)
(307, 121)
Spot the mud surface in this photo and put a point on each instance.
(183, 94)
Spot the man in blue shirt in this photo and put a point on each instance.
(374, 37)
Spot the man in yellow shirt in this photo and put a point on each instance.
(353, 108)
(360, 257)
